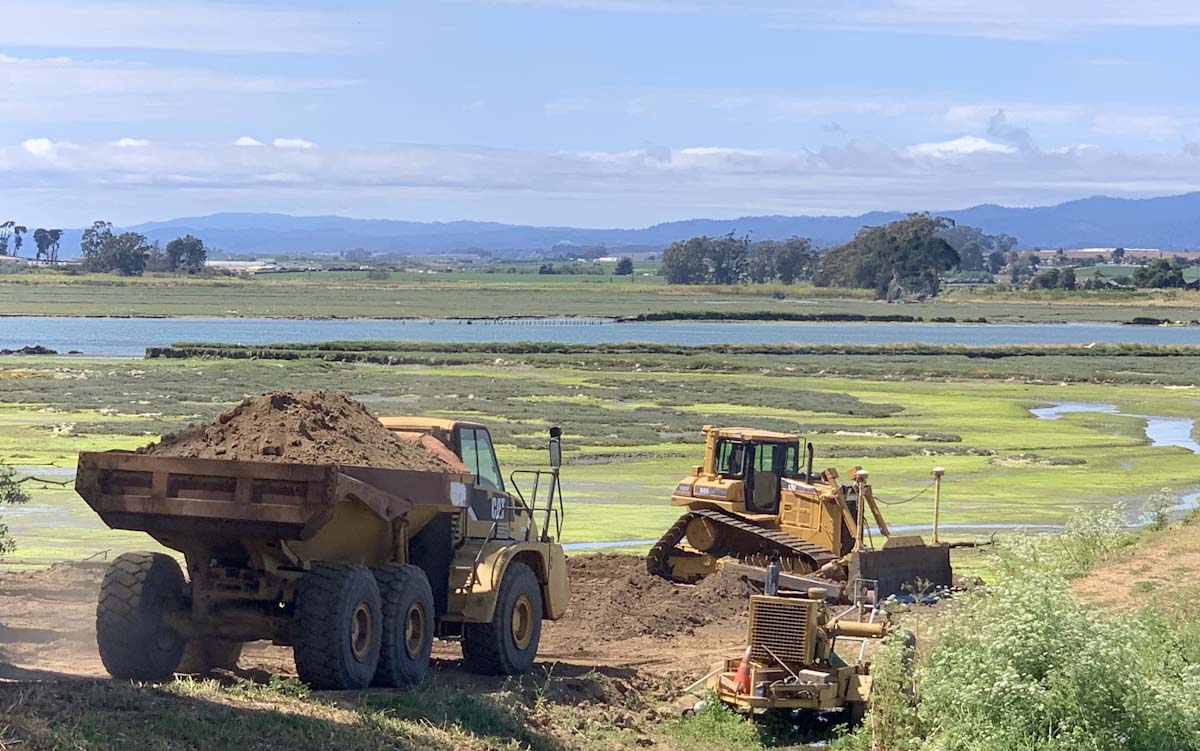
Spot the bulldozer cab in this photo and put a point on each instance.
(760, 464)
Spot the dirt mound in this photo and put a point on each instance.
(617, 599)
(309, 427)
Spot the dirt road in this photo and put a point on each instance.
(620, 619)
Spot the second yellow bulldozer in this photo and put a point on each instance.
(756, 498)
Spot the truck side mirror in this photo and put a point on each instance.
(555, 447)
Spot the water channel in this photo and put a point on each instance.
(128, 337)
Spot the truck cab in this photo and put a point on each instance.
(468, 447)
(499, 524)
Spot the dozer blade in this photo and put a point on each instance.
(903, 569)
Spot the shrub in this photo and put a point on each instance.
(10, 493)
(1088, 539)
(1025, 666)
(891, 723)
(1156, 509)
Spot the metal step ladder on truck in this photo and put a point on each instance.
(356, 568)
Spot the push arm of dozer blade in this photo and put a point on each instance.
(879, 522)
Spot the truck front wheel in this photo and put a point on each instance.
(339, 626)
(508, 644)
(135, 642)
(408, 619)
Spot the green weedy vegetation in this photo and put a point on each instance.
(716, 727)
(1025, 666)
(1022, 665)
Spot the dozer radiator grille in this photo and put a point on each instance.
(781, 629)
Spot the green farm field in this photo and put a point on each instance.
(633, 430)
(482, 295)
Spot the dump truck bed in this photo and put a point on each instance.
(226, 499)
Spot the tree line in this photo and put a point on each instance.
(734, 260)
(904, 257)
(46, 240)
(127, 253)
(131, 254)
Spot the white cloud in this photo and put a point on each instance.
(293, 143)
(248, 141)
(1011, 19)
(53, 89)
(44, 148)
(1138, 125)
(129, 143)
(179, 25)
(963, 146)
(609, 187)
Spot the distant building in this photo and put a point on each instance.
(243, 267)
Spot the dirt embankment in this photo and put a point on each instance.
(303, 427)
(617, 599)
(1159, 571)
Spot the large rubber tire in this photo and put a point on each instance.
(408, 624)
(338, 626)
(509, 643)
(138, 591)
(202, 656)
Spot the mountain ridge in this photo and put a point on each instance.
(1167, 222)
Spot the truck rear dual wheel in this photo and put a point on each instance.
(135, 642)
(408, 624)
(339, 625)
(508, 644)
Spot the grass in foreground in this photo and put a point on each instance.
(535, 713)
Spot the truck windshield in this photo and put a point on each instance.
(480, 458)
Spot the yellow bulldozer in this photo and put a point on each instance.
(757, 499)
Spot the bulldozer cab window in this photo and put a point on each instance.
(791, 461)
(476, 451)
(731, 458)
(780, 458)
(770, 462)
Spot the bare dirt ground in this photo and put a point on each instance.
(621, 621)
(1163, 564)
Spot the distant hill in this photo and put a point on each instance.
(1171, 222)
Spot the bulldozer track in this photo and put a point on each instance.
(788, 547)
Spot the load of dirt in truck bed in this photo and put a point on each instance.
(301, 427)
(618, 599)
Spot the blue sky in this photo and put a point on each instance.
(589, 112)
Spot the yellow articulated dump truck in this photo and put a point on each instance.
(357, 568)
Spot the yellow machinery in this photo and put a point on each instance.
(756, 498)
(791, 663)
(357, 568)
